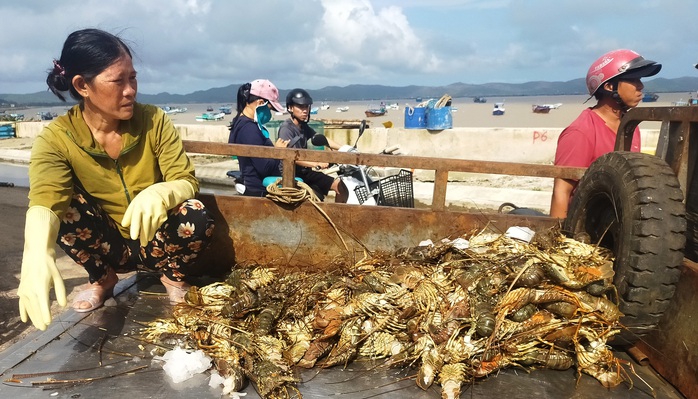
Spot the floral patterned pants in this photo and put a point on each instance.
(92, 239)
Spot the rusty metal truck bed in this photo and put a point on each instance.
(103, 353)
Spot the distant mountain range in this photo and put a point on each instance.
(378, 92)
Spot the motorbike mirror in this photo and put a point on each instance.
(319, 139)
(362, 127)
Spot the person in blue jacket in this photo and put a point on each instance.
(255, 101)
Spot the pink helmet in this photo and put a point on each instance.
(615, 63)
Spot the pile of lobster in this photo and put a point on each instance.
(455, 312)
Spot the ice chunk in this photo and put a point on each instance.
(520, 233)
(181, 365)
(460, 243)
(217, 380)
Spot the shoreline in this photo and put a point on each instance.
(465, 112)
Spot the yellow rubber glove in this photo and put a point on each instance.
(39, 271)
(148, 210)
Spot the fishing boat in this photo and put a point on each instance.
(209, 109)
(376, 111)
(314, 110)
(342, 109)
(498, 109)
(210, 116)
(325, 106)
(174, 110)
(649, 97)
(480, 100)
(540, 109)
(226, 109)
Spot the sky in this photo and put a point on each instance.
(182, 46)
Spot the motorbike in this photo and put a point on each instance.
(366, 185)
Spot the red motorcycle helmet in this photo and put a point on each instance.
(623, 62)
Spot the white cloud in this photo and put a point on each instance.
(187, 45)
(355, 37)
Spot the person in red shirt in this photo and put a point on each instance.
(614, 80)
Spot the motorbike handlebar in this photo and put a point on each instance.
(331, 169)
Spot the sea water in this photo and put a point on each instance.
(465, 112)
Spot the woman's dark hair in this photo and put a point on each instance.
(244, 97)
(88, 53)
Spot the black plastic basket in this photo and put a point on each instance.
(361, 193)
(397, 190)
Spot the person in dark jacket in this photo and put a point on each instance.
(255, 100)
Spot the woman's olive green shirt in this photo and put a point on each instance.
(65, 154)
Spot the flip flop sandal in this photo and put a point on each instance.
(90, 296)
(176, 294)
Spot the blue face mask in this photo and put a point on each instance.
(262, 115)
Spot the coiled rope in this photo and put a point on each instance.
(295, 196)
(443, 101)
(291, 195)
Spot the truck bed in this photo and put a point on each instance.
(103, 356)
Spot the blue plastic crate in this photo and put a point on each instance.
(7, 131)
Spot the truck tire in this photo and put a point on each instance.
(632, 204)
(691, 251)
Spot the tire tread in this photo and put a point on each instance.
(656, 223)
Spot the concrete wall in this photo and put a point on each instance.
(526, 145)
(29, 129)
(213, 133)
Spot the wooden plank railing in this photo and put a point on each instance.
(441, 166)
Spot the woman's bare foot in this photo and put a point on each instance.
(95, 294)
(175, 289)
